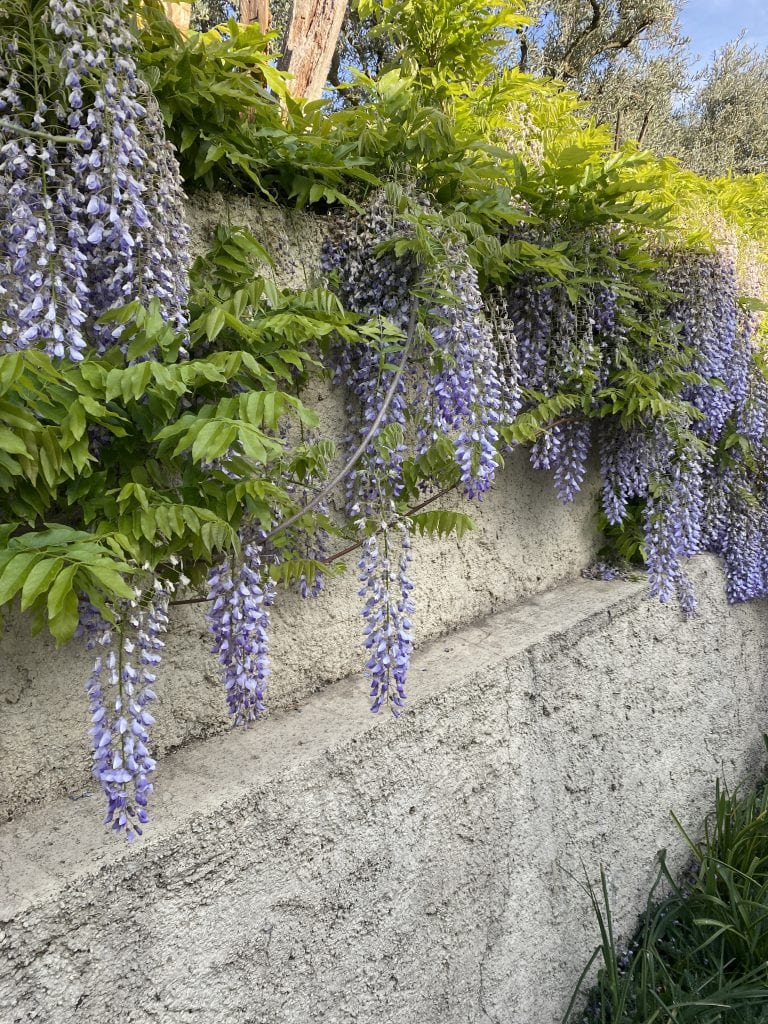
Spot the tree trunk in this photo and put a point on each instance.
(255, 12)
(310, 43)
(180, 15)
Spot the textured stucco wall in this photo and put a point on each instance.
(293, 239)
(525, 542)
(332, 867)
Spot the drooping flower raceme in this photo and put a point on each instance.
(684, 467)
(238, 618)
(386, 591)
(465, 381)
(506, 346)
(707, 313)
(91, 213)
(452, 389)
(455, 385)
(120, 690)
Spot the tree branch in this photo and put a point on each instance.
(590, 30)
(333, 483)
(626, 41)
(522, 64)
(644, 126)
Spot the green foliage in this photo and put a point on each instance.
(700, 955)
(49, 568)
(229, 114)
(513, 169)
(145, 462)
(445, 40)
(624, 541)
(441, 523)
(153, 464)
(159, 456)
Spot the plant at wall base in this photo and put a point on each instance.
(699, 954)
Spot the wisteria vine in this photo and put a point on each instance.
(92, 220)
(454, 391)
(91, 195)
(696, 471)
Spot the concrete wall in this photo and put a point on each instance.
(328, 866)
(525, 542)
(332, 867)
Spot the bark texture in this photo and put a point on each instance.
(180, 15)
(255, 12)
(310, 43)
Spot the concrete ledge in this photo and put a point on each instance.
(332, 867)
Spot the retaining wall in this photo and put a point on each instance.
(525, 542)
(332, 867)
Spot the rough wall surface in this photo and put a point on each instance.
(525, 542)
(337, 868)
(292, 239)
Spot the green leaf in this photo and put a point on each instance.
(11, 368)
(64, 624)
(252, 441)
(214, 322)
(441, 522)
(58, 595)
(213, 439)
(111, 581)
(10, 443)
(14, 573)
(39, 578)
(76, 421)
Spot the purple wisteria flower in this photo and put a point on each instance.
(627, 457)
(707, 314)
(238, 617)
(386, 589)
(96, 222)
(465, 381)
(455, 388)
(120, 690)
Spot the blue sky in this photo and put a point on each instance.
(710, 23)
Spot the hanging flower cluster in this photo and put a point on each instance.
(90, 195)
(238, 618)
(387, 609)
(556, 342)
(455, 386)
(701, 491)
(120, 691)
(91, 218)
